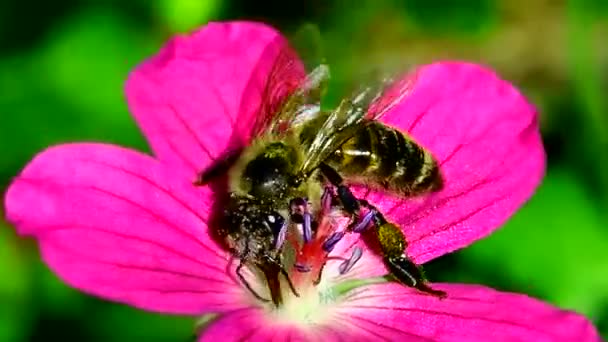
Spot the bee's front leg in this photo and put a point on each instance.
(246, 283)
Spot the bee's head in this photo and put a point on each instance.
(270, 173)
(254, 227)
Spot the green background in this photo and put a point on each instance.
(63, 64)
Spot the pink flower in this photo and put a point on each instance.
(132, 228)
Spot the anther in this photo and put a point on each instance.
(332, 240)
(364, 222)
(298, 205)
(281, 236)
(347, 265)
(302, 268)
(307, 227)
(326, 199)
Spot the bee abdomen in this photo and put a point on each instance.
(387, 158)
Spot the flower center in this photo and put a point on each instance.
(310, 290)
(317, 301)
(309, 254)
(313, 306)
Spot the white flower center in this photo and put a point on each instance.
(313, 307)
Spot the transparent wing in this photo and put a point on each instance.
(338, 125)
(275, 91)
(280, 92)
(370, 103)
(287, 99)
(285, 106)
(391, 93)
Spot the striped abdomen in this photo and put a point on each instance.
(384, 157)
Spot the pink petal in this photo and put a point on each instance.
(187, 99)
(116, 224)
(249, 325)
(486, 137)
(255, 325)
(469, 313)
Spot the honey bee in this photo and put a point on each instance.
(282, 177)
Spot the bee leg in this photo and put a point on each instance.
(349, 202)
(393, 243)
(246, 283)
(300, 213)
(409, 274)
(278, 265)
(289, 282)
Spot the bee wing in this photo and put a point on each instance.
(339, 125)
(288, 102)
(370, 103)
(280, 88)
(392, 92)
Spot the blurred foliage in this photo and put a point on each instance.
(63, 66)
(554, 246)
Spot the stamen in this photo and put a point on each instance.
(302, 268)
(364, 223)
(326, 199)
(347, 265)
(281, 236)
(307, 227)
(298, 205)
(332, 240)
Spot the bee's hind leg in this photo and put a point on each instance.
(393, 244)
(390, 237)
(409, 274)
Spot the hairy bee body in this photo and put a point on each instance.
(257, 216)
(266, 170)
(247, 230)
(387, 158)
(279, 182)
